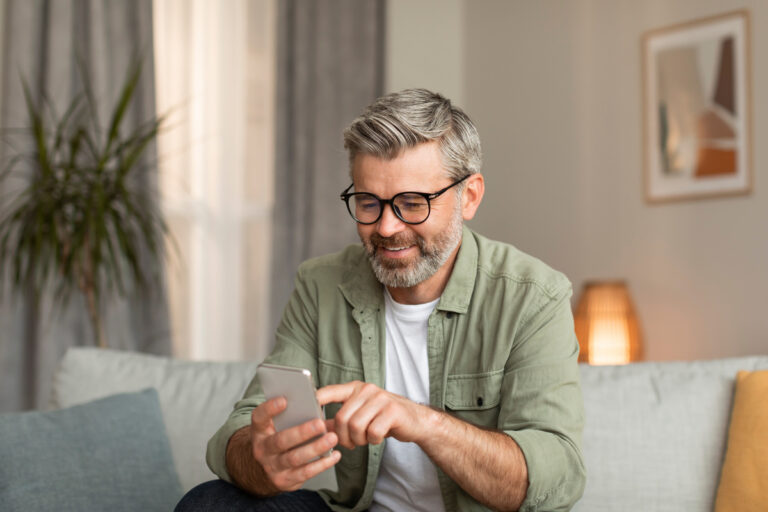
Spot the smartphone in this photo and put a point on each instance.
(295, 384)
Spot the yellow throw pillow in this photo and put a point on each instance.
(744, 478)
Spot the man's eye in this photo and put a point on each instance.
(413, 205)
(367, 204)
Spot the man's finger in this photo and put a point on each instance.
(291, 437)
(379, 428)
(308, 452)
(336, 392)
(316, 467)
(261, 416)
(360, 394)
(357, 424)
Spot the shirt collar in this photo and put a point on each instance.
(361, 288)
(458, 292)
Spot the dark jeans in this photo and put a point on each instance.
(220, 495)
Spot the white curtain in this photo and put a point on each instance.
(216, 77)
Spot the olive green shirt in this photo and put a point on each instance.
(502, 354)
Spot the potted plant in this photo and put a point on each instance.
(80, 222)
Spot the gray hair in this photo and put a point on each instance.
(401, 120)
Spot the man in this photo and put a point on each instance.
(447, 361)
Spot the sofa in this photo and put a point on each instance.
(654, 438)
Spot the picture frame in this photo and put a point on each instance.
(697, 109)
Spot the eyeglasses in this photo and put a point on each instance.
(410, 207)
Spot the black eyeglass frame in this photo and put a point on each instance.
(345, 196)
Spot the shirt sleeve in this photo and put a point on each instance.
(295, 346)
(542, 406)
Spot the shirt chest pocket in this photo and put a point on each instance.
(475, 398)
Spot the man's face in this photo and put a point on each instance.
(404, 255)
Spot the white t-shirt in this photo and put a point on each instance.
(407, 477)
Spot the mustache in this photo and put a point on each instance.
(397, 240)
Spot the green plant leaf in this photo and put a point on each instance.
(62, 127)
(37, 129)
(127, 245)
(114, 262)
(126, 95)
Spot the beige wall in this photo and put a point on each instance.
(426, 46)
(555, 90)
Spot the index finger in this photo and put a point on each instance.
(335, 393)
(261, 416)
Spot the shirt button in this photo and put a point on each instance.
(479, 401)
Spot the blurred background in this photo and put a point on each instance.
(250, 165)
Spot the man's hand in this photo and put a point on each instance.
(287, 456)
(369, 414)
(285, 460)
(491, 467)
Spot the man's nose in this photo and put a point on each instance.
(389, 223)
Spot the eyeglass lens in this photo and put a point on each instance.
(412, 208)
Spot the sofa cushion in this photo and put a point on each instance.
(195, 397)
(654, 437)
(744, 480)
(110, 454)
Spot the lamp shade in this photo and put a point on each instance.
(606, 324)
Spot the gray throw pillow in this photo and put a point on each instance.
(109, 454)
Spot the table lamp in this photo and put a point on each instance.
(606, 324)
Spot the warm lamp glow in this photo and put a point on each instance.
(606, 324)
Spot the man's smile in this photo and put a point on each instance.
(396, 252)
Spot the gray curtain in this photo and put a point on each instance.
(41, 41)
(330, 66)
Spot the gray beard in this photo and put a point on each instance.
(396, 274)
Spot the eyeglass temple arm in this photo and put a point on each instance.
(344, 192)
(439, 192)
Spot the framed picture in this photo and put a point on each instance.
(696, 92)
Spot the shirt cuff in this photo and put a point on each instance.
(216, 454)
(547, 469)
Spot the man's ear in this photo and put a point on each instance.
(472, 195)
